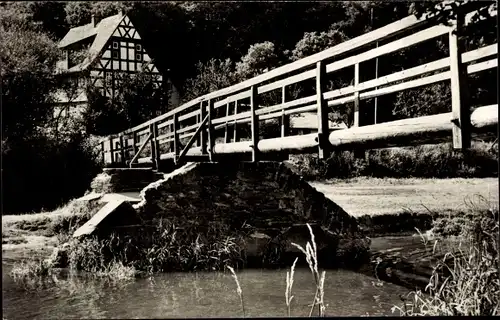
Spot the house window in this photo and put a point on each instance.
(116, 54)
(115, 45)
(138, 47)
(138, 57)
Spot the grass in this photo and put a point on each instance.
(426, 161)
(466, 281)
(374, 196)
(161, 247)
(64, 219)
(30, 269)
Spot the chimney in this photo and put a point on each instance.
(120, 12)
(92, 22)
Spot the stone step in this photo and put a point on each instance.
(119, 180)
(131, 197)
(116, 213)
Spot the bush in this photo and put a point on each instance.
(427, 161)
(46, 173)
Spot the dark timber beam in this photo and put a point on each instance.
(324, 147)
(459, 97)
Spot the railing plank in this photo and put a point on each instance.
(233, 98)
(189, 115)
(188, 128)
(405, 42)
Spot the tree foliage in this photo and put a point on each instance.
(211, 76)
(28, 59)
(202, 47)
(260, 58)
(136, 99)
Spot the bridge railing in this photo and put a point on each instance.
(193, 129)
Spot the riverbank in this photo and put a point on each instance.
(377, 203)
(404, 260)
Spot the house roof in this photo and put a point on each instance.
(310, 121)
(77, 34)
(102, 32)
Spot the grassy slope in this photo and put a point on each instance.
(33, 233)
(373, 196)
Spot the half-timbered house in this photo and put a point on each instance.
(99, 53)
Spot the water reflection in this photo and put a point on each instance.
(203, 294)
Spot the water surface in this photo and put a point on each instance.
(207, 294)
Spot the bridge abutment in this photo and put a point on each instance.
(263, 205)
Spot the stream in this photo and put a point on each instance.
(200, 294)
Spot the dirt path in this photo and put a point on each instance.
(375, 196)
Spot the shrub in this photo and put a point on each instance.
(47, 172)
(429, 161)
(471, 284)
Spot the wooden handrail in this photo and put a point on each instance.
(304, 69)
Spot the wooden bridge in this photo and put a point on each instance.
(237, 120)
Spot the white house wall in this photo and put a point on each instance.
(123, 53)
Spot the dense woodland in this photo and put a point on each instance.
(201, 46)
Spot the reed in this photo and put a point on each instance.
(238, 289)
(466, 280)
(312, 259)
(289, 285)
(311, 255)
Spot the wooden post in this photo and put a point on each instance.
(323, 144)
(226, 133)
(127, 149)
(157, 145)
(122, 149)
(356, 95)
(155, 153)
(285, 119)
(203, 133)
(235, 136)
(111, 150)
(459, 104)
(254, 123)
(211, 135)
(134, 139)
(176, 137)
(103, 153)
(375, 101)
(198, 122)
